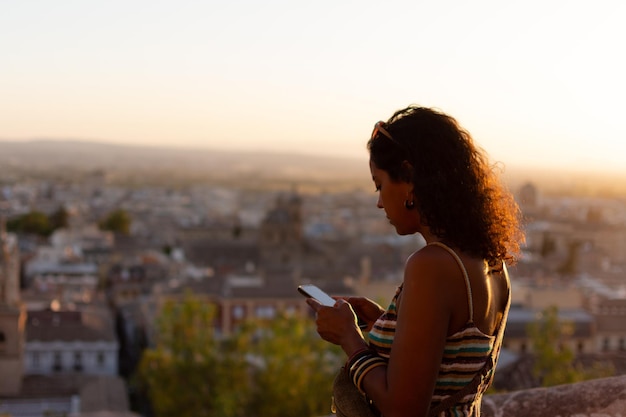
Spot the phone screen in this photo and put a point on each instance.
(312, 291)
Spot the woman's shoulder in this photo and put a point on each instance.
(432, 259)
(432, 267)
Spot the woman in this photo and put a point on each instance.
(433, 350)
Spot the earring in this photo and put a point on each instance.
(409, 205)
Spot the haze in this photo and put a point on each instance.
(538, 84)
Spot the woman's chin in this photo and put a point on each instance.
(401, 232)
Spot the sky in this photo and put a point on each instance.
(537, 83)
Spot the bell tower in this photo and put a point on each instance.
(281, 240)
(12, 315)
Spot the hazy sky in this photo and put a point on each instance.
(536, 82)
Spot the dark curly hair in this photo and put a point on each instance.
(457, 193)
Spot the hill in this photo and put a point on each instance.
(175, 166)
(137, 165)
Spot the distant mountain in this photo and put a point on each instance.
(76, 156)
(161, 165)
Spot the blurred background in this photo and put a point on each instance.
(171, 171)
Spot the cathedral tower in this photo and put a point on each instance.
(281, 239)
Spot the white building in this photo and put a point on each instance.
(63, 342)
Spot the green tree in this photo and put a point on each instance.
(59, 219)
(294, 367)
(117, 221)
(34, 222)
(554, 361)
(268, 368)
(187, 373)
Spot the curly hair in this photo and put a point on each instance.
(457, 193)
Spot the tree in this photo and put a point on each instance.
(294, 368)
(554, 361)
(38, 223)
(187, 374)
(34, 222)
(277, 367)
(117, 221)
(59, 219)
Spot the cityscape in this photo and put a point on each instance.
(129, 229)
(172, 171)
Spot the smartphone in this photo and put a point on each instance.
(312, 291)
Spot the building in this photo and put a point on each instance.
(71, 341)
(87, 241)
(609, 314)
(61, 362)
(578, 328)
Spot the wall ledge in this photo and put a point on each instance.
(604, 397)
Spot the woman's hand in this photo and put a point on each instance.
(367, 310)
(337, 324)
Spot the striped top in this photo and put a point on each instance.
(465, 353)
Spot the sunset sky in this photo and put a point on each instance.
(538, 83)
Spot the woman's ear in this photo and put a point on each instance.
(406, 172)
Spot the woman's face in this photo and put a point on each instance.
(391, 197)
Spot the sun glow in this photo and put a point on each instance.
(537, 84)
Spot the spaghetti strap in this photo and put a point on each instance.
(465, 275)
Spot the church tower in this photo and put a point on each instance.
(12, 315)
(281, 240)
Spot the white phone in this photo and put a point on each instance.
(312, 291)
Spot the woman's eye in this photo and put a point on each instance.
(377, 188)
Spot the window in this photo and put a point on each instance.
(100, 359)
(78, 361)
(57, 365)
(238, 312)
(265, 312)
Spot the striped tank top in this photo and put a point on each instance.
(465, 352)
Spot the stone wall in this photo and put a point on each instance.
(605, 397)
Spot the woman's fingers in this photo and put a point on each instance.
(314, 304)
